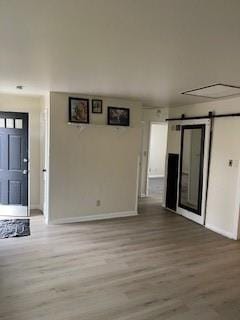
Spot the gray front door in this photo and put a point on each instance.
(13, 163)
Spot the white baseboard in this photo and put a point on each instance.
(101, 216)
(155, 176)
(168, 209)
(35, 207)
(224, 233)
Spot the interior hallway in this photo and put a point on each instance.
(156, 188)
(154, 266)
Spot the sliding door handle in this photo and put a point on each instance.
(25, 172)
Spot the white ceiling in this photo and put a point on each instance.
(146, 49)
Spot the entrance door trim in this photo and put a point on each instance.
(186, 213)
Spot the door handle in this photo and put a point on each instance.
(25, 172)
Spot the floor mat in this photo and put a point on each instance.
(14, 228)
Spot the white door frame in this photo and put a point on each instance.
(44, 162)
(20, 211)
(184, 212)
(140, 164)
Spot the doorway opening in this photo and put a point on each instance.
(156, 161)
(14, 164)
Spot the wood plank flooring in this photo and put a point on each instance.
(154, 266)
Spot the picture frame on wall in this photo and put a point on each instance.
(78, 110)
(96, 106)
(118, 116)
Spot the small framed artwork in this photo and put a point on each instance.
(118, 116)
(78, 110)
(96, 106)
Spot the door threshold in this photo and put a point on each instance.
(17, 211)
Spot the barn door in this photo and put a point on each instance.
(13, 163)
(193, 171)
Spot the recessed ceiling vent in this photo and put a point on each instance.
(214, 91)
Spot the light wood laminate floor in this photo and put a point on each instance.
(154, 266)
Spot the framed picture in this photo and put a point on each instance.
(78, 110)
(96, 106)
(118, 116)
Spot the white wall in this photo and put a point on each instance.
(31, 105)
(157, 152)
(149, 115)
(221, 214)
(98, 163)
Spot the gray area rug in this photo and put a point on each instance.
(14, 228)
